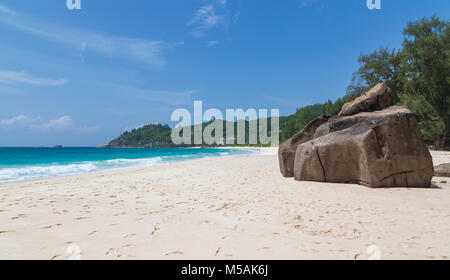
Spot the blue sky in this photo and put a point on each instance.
(81, 77)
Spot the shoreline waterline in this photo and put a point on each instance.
(27, 164)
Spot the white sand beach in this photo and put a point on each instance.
(220, 208)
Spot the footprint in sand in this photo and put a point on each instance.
(156, 228)
(52, 226)
(263, 249)
(223, 206)
(20, 216)
(130, 235)
(110, 251)
(175, 253)
(218, 251)
(56, 257)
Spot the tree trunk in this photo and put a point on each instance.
(444, 139)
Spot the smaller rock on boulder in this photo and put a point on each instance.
(442, 170)
(378, 98)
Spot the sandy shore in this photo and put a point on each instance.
(220, 208)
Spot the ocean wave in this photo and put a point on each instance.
(36, 172)
(39, 171)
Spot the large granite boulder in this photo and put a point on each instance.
(442, 170)
(375, 149)
(286, 152)
(382, 148)
(378, 98)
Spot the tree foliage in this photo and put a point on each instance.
(153, 135)
(420, 68)
(429, 120)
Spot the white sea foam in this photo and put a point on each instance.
(45, 171)
(19, 173)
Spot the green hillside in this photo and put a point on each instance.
(149, 136)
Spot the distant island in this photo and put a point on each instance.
(148, 136)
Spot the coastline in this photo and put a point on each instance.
(170, 160)
(219, 208)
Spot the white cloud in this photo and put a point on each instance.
(61, 123)
(12, 77)
(13, 120)
(204, 19)
(212, 43)
(6, 10)
(312, 3)
(37, 124)
(141, 50)
(20, 121)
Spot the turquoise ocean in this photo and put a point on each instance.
(18, 164)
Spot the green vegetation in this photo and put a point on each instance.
(149, 136)
(292, 124)
(418, 74)
(235, 136)
(429, 120)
